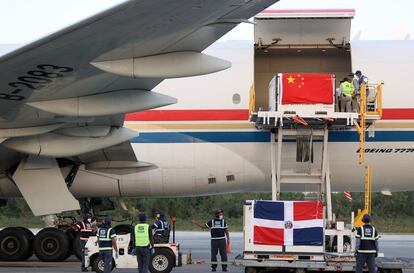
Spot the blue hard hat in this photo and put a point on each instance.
(366, 218)
(142, 217)
(107, 220)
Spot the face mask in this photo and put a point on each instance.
(89, 220)
(221, 217)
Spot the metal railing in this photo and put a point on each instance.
(373, 99)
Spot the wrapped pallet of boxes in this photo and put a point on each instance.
(283, 227)
(302, 93)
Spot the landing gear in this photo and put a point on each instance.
(76, 247)
(15, 244)
(51, 245)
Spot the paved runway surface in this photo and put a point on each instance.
(199, 245)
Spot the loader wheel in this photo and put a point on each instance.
(51, 245)
(98, 265)
(162, 261)
(15, 244)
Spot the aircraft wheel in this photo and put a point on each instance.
(76, 247)
(162, 261)
(98, 265)
(15, 244)
(51, 245)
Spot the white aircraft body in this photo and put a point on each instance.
(203, 144)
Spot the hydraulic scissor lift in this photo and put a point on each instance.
(304, 128)
(313, 123)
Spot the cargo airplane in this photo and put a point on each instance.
(75, 107)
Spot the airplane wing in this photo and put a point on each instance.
(65, 95)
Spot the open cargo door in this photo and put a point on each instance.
(303, 41)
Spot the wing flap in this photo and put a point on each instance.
(42, 185)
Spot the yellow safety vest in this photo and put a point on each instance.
(347, 89)
(142, 235)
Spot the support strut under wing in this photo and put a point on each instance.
(43, 187)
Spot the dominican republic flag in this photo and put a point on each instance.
(288, 223)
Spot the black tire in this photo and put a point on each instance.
(162, 261)
(76, 247)
(14, 244)
(98, 264)
(251, 270)
(31, 236)
(51, 245)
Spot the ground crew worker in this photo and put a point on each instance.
(357, 81)
(144, 243)
(338, 97)
(219, 231)
(86, 228)
(366, 245)
(107, 241)
(161, 228)
(347, 90)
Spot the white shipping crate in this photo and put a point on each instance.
(251, 247)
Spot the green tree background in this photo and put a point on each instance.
(390, 213)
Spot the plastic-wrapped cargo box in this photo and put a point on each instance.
(283, 227)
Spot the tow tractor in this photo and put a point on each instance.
(165, 257)
(302, 111)
(163, 260)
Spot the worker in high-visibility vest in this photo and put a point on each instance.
(107, 242)
(144, 243)
(357, 81)
(87, 228)
(346, 89)
(366, 245)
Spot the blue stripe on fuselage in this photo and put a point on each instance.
(261, 136)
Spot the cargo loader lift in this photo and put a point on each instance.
(292, 123)
(304, 126)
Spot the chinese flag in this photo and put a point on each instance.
(307, 88)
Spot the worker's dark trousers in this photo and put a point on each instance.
(367, 258)
(218, 245)
(107, 258)
(82, 245)
(143, 258)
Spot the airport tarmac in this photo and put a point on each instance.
(199, 245)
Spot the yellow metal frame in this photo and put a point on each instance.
(368, 189)
(361, 125)
(252, 99)
(378, 99)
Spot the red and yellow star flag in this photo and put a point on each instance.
(307, 88)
